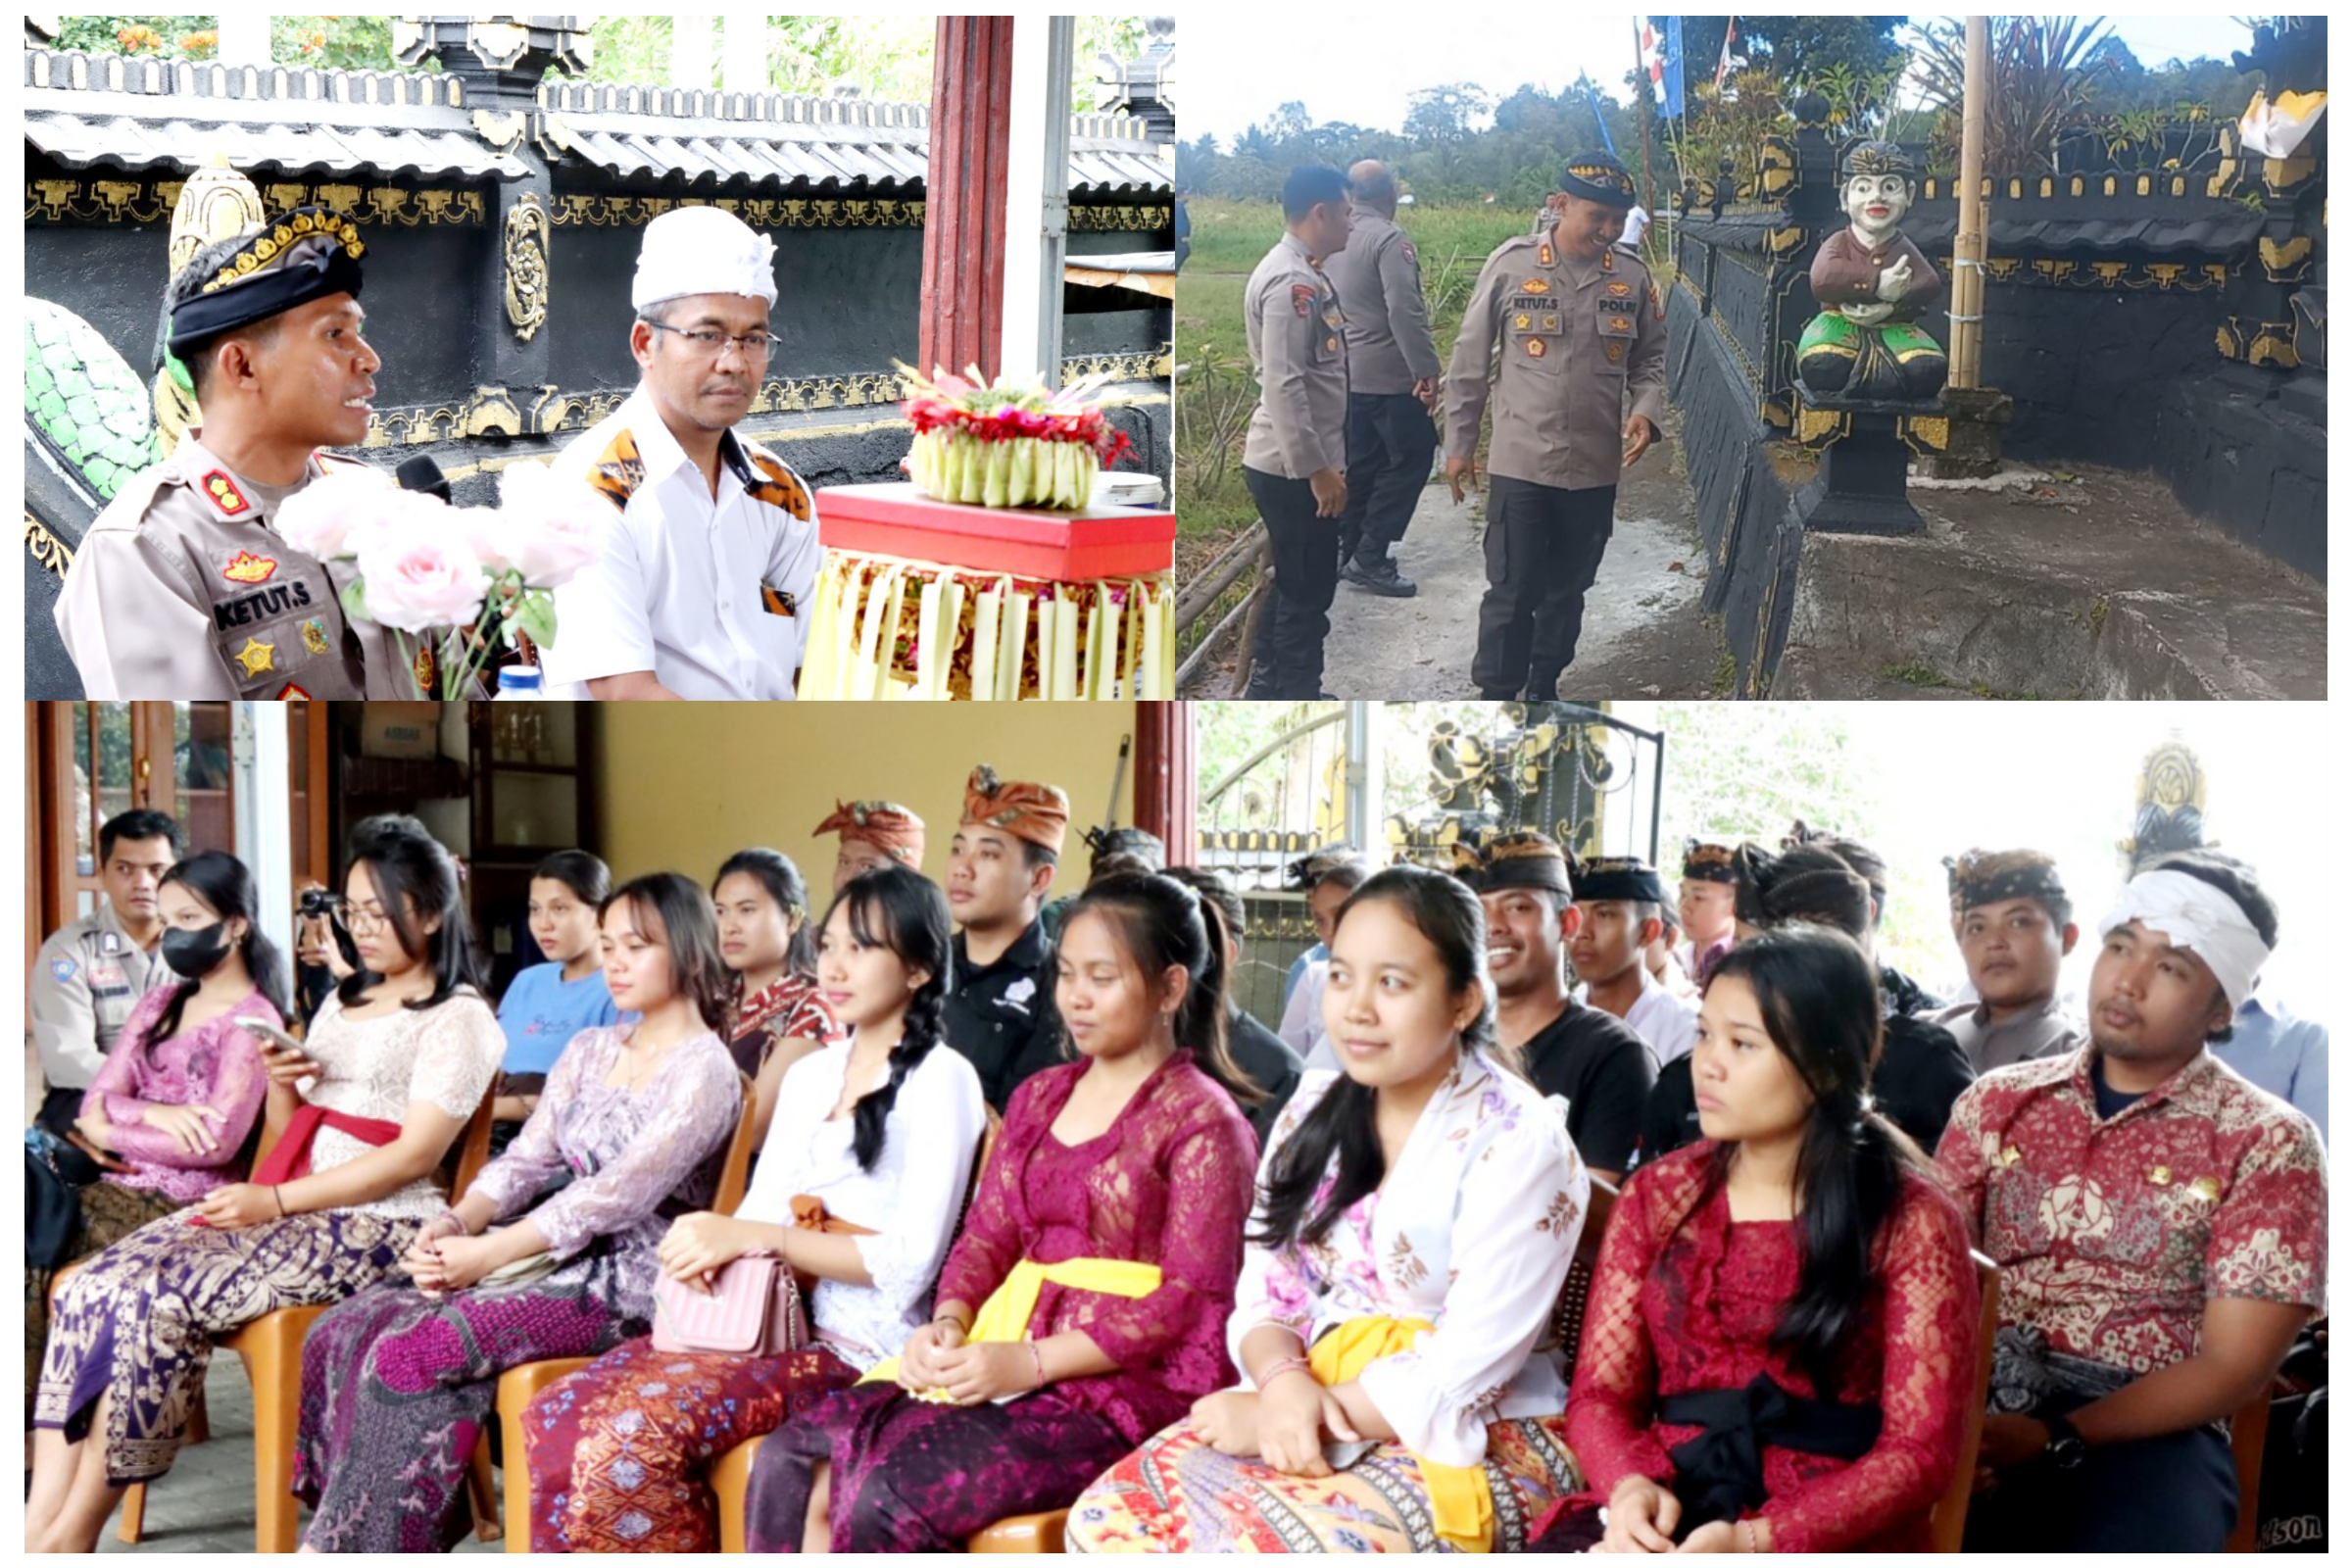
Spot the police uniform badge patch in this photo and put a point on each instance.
(1409, 256)
(293, 694)
(256, 655)
(1616, 352)
(62, 970)
(246, 566)
(1535, 286)
(1302, 299)
(422, 668)
(219, 489)
(1621, 324)
(1621, 290)
(1522, 322)
(313, 636)
(1535, 348)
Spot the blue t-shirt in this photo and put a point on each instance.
(542, 1011)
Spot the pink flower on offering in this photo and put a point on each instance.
(321, 519)
(542, 529)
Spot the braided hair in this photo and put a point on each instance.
(894, 908)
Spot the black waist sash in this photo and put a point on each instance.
(1720, 1473)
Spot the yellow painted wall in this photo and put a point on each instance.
(684, 785)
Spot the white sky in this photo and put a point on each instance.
(2061, 777)
(1239, 64)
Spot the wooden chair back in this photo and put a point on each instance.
(1949, 1522)
(2249, 1435)
(1567, 1328)
(735, 1175)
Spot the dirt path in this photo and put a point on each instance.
(1643, 636)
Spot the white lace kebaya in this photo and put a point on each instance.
(912, 1199)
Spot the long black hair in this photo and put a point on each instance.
(1444, 909)
(1158, 920)
(899, 908)
(223, 885)
(689, 933)
(1819, 996)
(409, 867)
(773, 871)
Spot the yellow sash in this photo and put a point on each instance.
(1005, 1318)
(1461, 1506)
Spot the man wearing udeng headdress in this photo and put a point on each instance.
(182, 588)
(1873, 285)
(708, 543)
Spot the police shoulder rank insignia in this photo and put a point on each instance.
(313, 636)
(246, 566)
(1609, 261)
(223, 492)
(293, 694)
(1302, 299)
(1544, 254)
(256, 655)
(422, 668)
(62, 970)
(777, 601)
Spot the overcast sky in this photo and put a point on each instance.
(1236, 73)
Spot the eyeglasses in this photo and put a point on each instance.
(364, 916)
(755, 346)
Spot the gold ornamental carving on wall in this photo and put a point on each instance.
(526, 266)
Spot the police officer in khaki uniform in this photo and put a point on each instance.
(1294, 456)
(1579, 393)
(1393, 376)
(90, 974)
(182, 589)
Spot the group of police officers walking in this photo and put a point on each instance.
(1564, 337)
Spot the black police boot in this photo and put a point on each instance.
(1378, 575)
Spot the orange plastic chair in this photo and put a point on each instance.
(1947, 1521)
(518, 1385)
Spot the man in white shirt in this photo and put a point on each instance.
(708, 550)
(1622, 902)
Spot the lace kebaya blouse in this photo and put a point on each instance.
(1678, 1308)
(217, 1063)
(1167, 1183)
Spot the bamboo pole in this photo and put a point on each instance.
(1968, 244)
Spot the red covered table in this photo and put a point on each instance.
(932, 600)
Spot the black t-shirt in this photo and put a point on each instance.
(2113, 1103)
(1001, 1016)
(1921, 1071)
(1604, 1070)
(1266, 1063)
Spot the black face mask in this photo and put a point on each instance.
(196, 953)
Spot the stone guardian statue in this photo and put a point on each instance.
(1872, 286)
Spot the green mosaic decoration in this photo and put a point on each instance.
(90, 404)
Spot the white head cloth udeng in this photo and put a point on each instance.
(702, 250)
(2199, 916)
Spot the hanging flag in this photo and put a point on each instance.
(1671, 68)
(1584, 84)
(1722, 66)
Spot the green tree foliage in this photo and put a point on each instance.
(1794, 49)
(1460, 144)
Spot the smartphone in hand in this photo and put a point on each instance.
(275, 1041)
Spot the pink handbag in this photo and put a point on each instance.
(755, 1309)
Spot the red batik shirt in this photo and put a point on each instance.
(2113, 1235)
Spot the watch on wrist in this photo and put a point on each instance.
(2066, 1449)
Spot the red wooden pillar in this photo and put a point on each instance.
(964, 213)
(1167, 788)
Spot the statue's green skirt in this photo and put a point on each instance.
(1831, 332)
